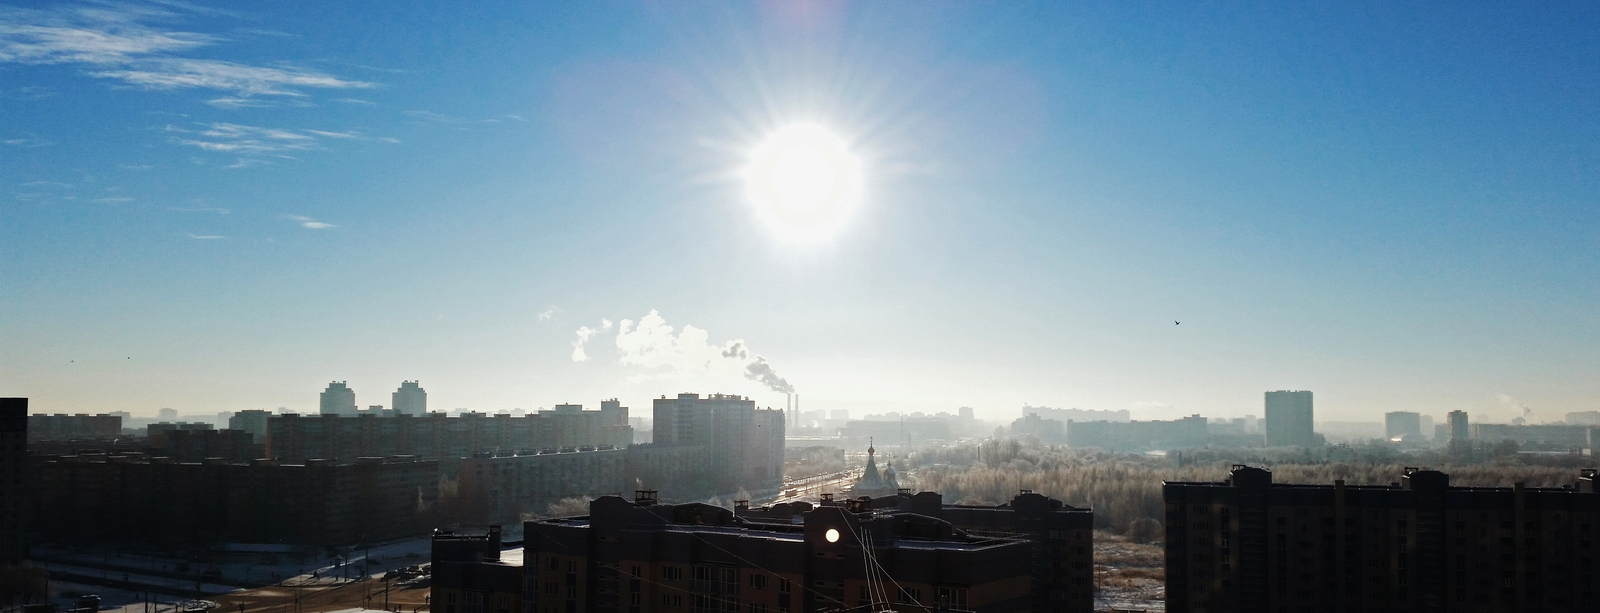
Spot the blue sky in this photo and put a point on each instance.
(225, 207)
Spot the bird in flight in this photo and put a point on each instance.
(1177, 323)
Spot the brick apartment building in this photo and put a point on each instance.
(634, 556)
(1250, 545)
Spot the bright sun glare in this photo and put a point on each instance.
(804, 181)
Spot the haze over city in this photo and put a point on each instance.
(1167, 209)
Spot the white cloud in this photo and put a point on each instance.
(313, 224)
(653, 344)
(208, 237)
(120, 46)
(26, 142)
(578, 354)
(114, 200)
(255, 142)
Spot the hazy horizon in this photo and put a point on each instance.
(226, 207)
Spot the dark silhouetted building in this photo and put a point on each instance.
(742, 445)
(500, 488)
(297, 438)
(196, 445)
(1289, 419)
(339, 399)
(468, 575)
(13, 479)
(1250, 545)
(60, 427)
(133, 498)
(637, 556)
(253, 421)
(1402, 425)
(1062, 537)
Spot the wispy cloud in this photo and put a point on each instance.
(201, 209)
(313, 224)
(584, 332)
(30, 92)
(549, 313)
(232, 102)
(116, 43)
(113, 200)
(26, 142)
(432, 117)
(205, 237)
(255, 144)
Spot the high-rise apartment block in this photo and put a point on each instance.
(740, 445)
(13, 478)
(1402, 425)
(1460, 432)
(339, 399)
(1289, 419)
(410, 399)
(1248, 545)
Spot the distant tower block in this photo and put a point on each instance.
(1289, 419)
(339, 399)
(410, 399)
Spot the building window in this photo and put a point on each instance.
(784, 586)
(758, 582)
(474, 603)
(671, 573)
(954, 597)
(910, 595)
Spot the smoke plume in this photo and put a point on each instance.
(762, 372)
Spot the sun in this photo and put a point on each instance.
(804, 181)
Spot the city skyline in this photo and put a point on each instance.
(219, 209)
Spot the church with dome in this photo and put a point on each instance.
(874, 483)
